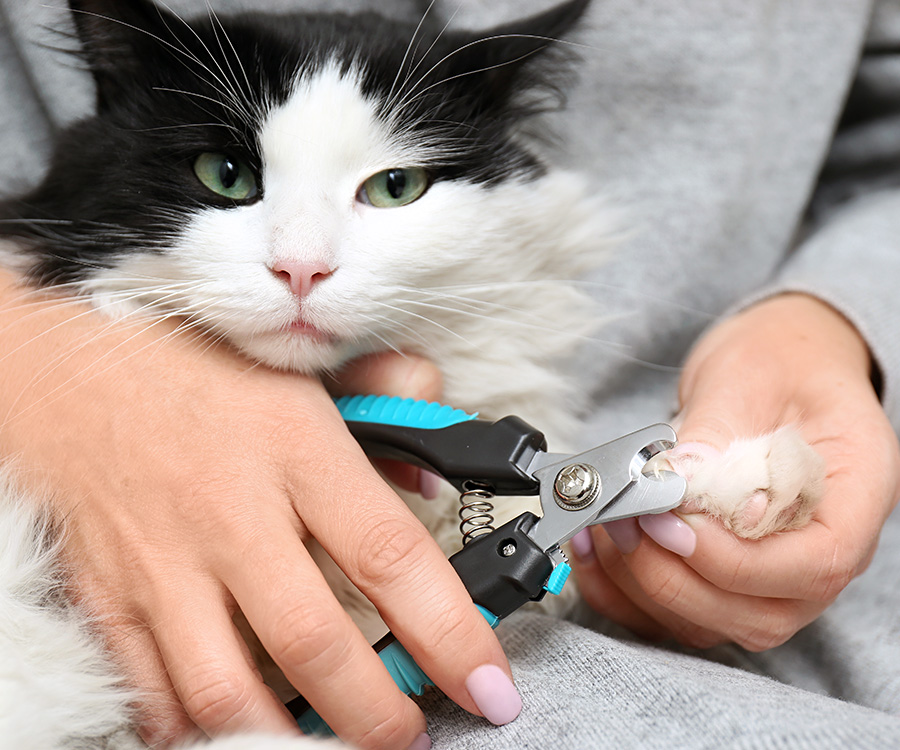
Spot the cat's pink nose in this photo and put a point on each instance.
(300, 276)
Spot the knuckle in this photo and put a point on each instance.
(450, 633)
(214, 697)
(737, 575)
(424, 380)
(305, 635)
(697, 638)
(162, 722)
(832, 577)
(770, 631)
(387, 549)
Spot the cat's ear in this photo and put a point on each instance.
(113, 33)
(493, 61)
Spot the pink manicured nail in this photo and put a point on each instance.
(429, 484)
(583, 546)
(669, 531)
(423, 742)
(625, 534)
(494, 694)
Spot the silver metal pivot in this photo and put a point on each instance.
(625, 490)
(576, 486)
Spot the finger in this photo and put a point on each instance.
(161, 718)
(210, 671)
(407, 376)
(617, 567)
(389, 373)
(400, 568)
(604, 596)
(818, 561)
(410, 478)
(697, 611)
(317, 646)
(405, 476)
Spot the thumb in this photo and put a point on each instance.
(726, 397)
(390, 374)
(716, 414)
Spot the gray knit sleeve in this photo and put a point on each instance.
(853, 263)
(850, 256)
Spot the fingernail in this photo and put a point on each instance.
(669, 531)
(429, 484)
(494, 694)
(625, 534)
(423, 742)
(583, 546)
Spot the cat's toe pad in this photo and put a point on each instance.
(756, 486)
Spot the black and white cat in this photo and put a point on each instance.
(311, 188)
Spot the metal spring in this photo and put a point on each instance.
(475, 513)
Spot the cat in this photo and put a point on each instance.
(313, 187)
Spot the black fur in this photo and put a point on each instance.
(122, 181)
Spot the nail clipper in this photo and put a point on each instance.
(522, 560)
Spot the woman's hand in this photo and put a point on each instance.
(790, 360)
(188, 480)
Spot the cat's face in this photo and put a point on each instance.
(308, 187)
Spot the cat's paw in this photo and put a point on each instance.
(756, 486)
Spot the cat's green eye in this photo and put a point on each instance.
(393, 188)
(226, 176)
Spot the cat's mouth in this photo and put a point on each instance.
(304, 329)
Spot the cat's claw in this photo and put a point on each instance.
(757, 486)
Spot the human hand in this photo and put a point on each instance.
(790, 360)
(188, 479)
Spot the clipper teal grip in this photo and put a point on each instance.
(400, 412)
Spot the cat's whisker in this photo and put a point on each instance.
(531, 284)
(416, 93)
(387, 342)
(197, 95)
(423, 318)
(181, 51)
(436, 294)
(412, 71)
(231, 84)
(237, 57)
(485, 316)
(199, 125)
(90, 311)
(392, 325)
(409, 47)
(52, 365)
(226, 86)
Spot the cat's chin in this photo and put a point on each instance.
(307, 352)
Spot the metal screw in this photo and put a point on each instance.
(508, 550)
(576, 486)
